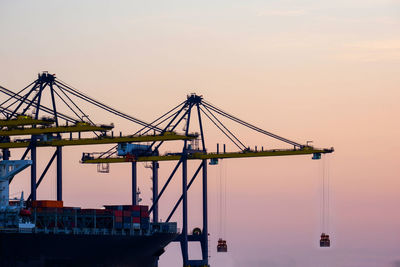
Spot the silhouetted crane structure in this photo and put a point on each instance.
(22, 116)
(195, 149)
(23, 112)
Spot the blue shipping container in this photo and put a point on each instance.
(165, 227)
(135, 213)
(118, 225)
(144, 220)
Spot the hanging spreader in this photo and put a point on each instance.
(222, 247)
(324, 241)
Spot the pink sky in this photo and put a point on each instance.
(327, 72)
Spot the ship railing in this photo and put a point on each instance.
(95, 231)
(92, 231)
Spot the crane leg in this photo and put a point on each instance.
(59, 173)
(33, 173)
(134, 182)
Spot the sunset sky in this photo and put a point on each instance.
(326, 71)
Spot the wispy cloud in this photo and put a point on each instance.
(282, 12)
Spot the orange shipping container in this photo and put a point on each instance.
(47, 204)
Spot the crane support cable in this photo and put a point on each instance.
(159, 118)
(104, 106)
(223, 113)
(225, 127)
(84, 115)
(6, 112)
(25, 100)
(227, 135)
(12, 97)
(225, 198)
(108, 152)
(177, 115)
(101, 105)
(31, 102)
(177, 123)
(325, 209)
(17, 93)
(43, 108)
(222, 199)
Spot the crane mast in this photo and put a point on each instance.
(191, 151)
(22, 110)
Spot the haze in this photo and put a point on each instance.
(326, 71)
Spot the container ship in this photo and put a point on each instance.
(45, 233)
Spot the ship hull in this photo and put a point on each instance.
(20, 249)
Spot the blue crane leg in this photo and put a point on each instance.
(33, 172)
(59, 173)
(184, 240)
(204, 239)
(155, 191)
(134, 182)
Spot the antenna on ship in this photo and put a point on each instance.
(138, 199)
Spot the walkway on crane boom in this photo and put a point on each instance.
(22, 120)
(199, 156)
(79, 127)
(103, 139)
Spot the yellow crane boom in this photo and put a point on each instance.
(168, 136)
(25, 120)
(59, 129)
(200, 156)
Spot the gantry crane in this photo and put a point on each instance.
(22, 112)
(194, 105)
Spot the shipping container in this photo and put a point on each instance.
(118, 213)
(87, 212)
(136, 208)
(144, 214)
(118, 225)
(144, 208)
(145, 226)
(51, 210)
(101, 211)
(135, 219)
(113, 207)
(47, 204)
(126, 213)
(127, 207)
(144, 220)
(118, 219)
(136, 214)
